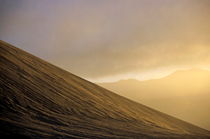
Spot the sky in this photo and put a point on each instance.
(109, 40)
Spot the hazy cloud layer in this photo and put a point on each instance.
(100, 38)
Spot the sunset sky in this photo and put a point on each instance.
(108, 40)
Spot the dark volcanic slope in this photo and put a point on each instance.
(38, 99)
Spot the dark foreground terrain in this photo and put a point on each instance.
(39, 100)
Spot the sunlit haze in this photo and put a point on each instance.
(110, 40)
(153, 52)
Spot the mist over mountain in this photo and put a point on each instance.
(40, 100)
(184, 94)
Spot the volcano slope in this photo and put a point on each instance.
(40, 100)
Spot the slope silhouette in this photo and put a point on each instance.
(40, 100)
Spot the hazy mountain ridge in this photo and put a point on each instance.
(185, 90)
(39, 100)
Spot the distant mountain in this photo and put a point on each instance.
(184, 94)
(40, 100)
